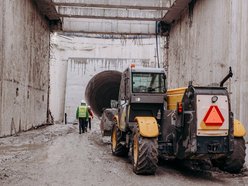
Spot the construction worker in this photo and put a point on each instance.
(91, 115)
(82, 115)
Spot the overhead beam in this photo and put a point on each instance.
(109, 26)
(175, 11)
(129, 17)
(120, 14)
(48, 9)
(121, 4)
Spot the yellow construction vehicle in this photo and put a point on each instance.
(189, 123)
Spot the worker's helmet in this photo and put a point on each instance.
(82, 101)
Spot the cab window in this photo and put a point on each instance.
(148, 82)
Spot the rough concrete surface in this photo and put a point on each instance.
(76, 60)
(58, 155)
(208, 38)
(24, 68)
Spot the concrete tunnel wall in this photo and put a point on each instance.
(83, 73)
(76, 60)
(205, 42)
(24, 75)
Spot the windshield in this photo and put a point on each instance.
(148, 82)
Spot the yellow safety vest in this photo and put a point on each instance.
(82, 111)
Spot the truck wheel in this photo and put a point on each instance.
(234, 162)
(145, 155)
(117, 148)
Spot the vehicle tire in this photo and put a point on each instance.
(145, 155)
(234, 162)
(117, 148)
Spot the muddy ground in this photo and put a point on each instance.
(58, 155)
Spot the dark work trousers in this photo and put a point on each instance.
(89, 123)
(82, 125)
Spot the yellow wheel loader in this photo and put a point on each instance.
(189, 123)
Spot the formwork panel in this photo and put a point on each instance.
(208, 38)
(25, 67)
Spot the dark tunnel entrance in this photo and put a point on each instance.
(102, 88)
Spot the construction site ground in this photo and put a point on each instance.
(58, 155)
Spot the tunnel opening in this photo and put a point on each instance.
(101, 89)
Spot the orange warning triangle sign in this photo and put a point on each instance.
(213, 116)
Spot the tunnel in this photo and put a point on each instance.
(101, 89)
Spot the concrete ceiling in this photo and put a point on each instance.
(129, 17)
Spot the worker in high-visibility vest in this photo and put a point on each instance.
(82, 115)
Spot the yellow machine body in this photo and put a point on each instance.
(116, 120)
(174, 96)
(148, 126)
(239, 129)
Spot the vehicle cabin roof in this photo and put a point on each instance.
(147, 70)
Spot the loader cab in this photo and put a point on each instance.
(142, 81)
(142, 93)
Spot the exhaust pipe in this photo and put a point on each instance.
(229, 75)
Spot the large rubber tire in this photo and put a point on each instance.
(234, 162)
(145, 155)
(117, 148)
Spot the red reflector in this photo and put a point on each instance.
(179, 107)
(214, 117)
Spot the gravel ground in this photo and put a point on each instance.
(58, 155)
